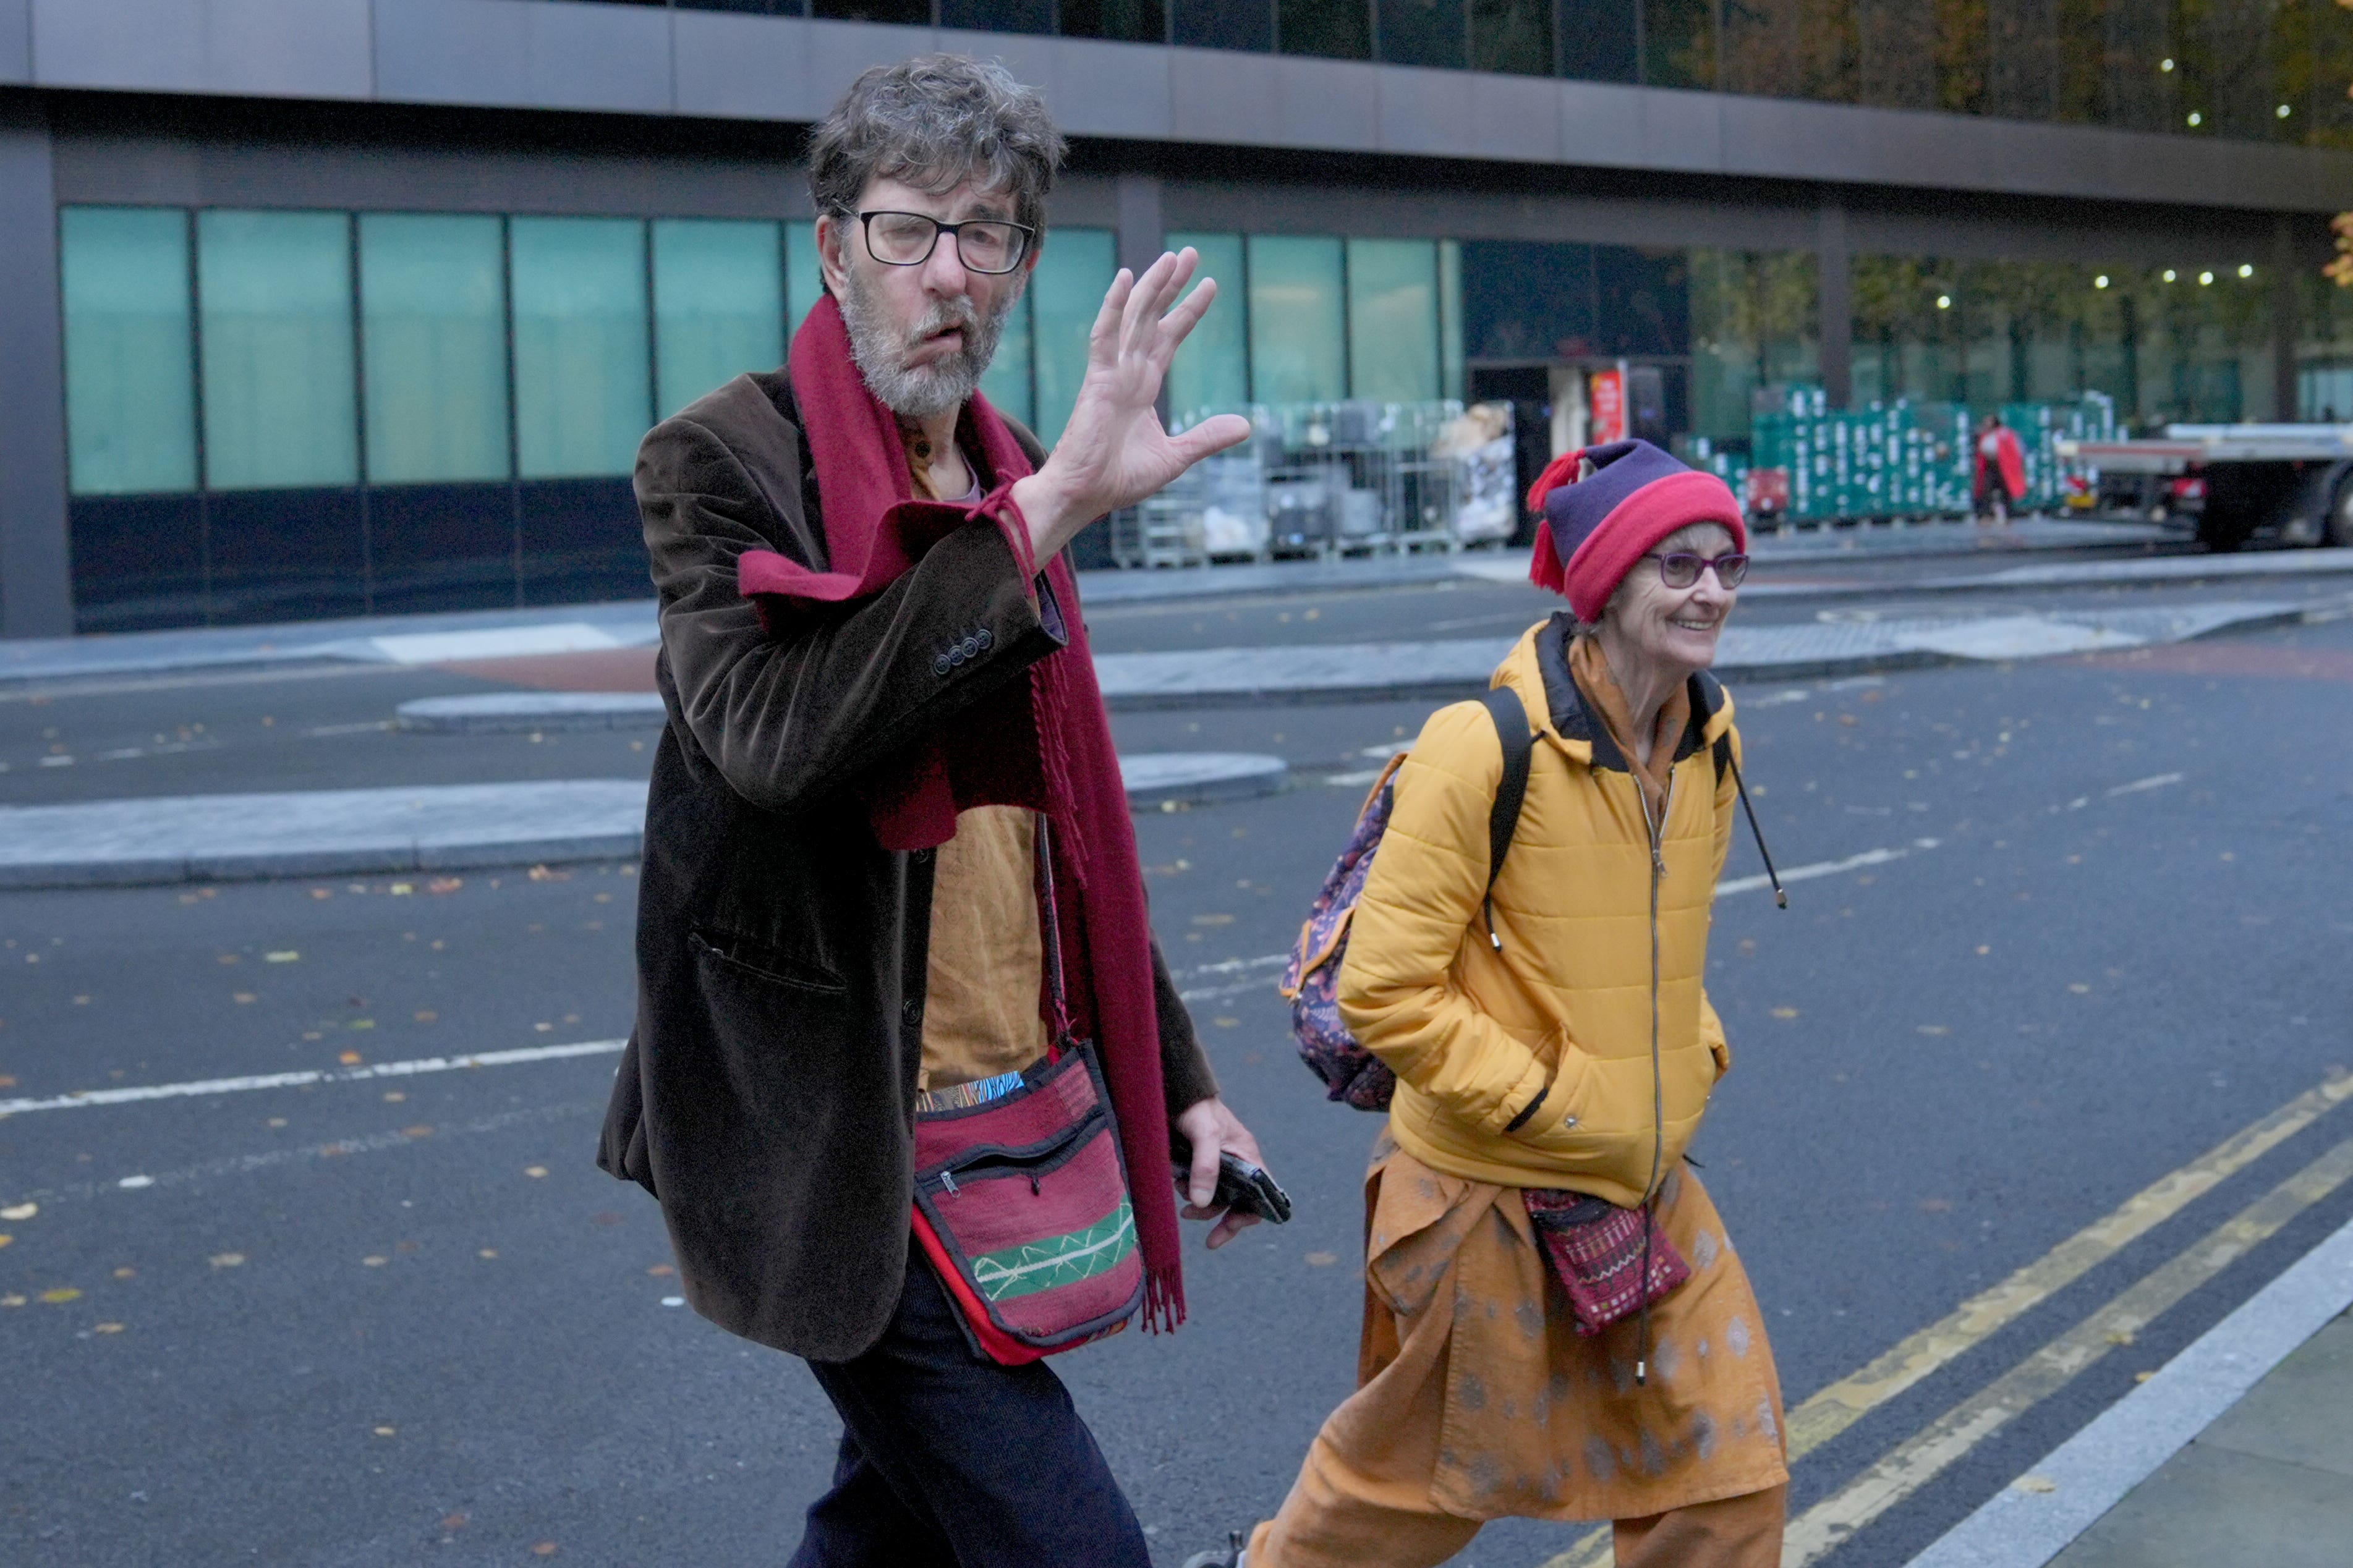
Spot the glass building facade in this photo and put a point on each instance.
(277, 415)
(2266, 70)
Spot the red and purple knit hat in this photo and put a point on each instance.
(1597, 527)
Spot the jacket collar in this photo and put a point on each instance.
(1538, 671)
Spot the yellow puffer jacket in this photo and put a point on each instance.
(1531, 1067)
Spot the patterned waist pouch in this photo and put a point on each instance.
(1598, 1253)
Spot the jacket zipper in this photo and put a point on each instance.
(1656, 829)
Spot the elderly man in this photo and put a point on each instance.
(887, 851)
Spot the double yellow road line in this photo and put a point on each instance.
(1920, 1458)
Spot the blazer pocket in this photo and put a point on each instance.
(756, 961)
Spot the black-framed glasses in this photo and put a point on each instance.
(988, 246)
(1681, 568)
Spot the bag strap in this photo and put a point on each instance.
(1049, 932)
(1511, 720)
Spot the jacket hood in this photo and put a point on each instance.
(1537, 671)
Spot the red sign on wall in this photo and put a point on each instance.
(1605, 402)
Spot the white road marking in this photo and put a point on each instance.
(1826, 867)
(2159, 781)
(297, 1079)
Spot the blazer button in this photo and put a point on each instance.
(957, 655)
(912, 1012)
(971, 647)
(942, 665)
(985, 639)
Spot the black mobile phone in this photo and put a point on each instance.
(1241, 1185)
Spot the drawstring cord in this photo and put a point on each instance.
(1780, 898)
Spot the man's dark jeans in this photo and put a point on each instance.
(950, 1461)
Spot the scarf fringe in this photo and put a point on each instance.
(1164, 1300)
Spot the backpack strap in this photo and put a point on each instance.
(1504, 817)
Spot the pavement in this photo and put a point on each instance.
(458, 637)
(2238, 1450)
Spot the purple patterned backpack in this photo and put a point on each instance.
(1311, 983)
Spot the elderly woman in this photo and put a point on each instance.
(1555, 1324)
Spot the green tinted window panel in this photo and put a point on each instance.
(274, 289)
(1297, 330)
(1211, 371)
(1066, 291)
(131, 401)
(582, 388)
(804, 280)
(718, 305)
(1008, 384)
(1393, 330)
(433, 347)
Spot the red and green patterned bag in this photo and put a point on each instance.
(1021, 1197)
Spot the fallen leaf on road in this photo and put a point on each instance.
(419, 1130)
(242, 998)
(349, 1058)
(659, 1270)
(373, 1260)
(394, 1097)
(12, 1300)
(60, 1296)
(543, 874)
(1934, 1029)
(106, 1328)
(534, 1171)
(6, 1238)
(545, 1549)
(1323, 1259)
(1213, 920)
(2037, 1484)
(20, 1211)
(1785, 1012)
(2120, 1336)
(226, 1260)
(278, 1121)
(386, 1431)
(2080, 989)
(288, 956)
(488, 1252)
(401, 889)
(445, 884)
(322, 892)
(428, 1016)
(6, 1082)
(125, 1273)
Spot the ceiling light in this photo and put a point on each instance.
(2245, 270)
(1944, 301)
(2165, 65)
(2196, 118)
(2281, 111)
(2205, 277)
(2169, 275)
(2101, 282)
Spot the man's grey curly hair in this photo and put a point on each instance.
(935, 121)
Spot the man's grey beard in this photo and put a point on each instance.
(924, 391)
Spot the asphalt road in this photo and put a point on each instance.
(406, 1320)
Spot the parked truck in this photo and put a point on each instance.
(2290, 482)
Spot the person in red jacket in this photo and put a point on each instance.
(2000, 470)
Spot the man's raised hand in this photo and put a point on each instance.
(1114, 452)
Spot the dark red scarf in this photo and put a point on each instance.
(1041, 742)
